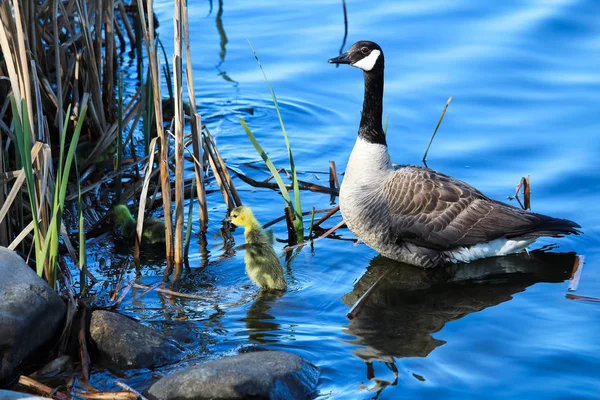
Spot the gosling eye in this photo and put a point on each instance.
(364, 50)
(234, 215)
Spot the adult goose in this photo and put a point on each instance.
(417, 215)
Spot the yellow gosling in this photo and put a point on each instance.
(154, 229)
(262, 264)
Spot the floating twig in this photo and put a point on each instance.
(572, 296)
(173, 293)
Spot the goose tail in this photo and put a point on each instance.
(554, 227)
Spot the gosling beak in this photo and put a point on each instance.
(227, 219)
(342, 59)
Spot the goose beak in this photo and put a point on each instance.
(342, 59)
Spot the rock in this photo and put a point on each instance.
(123, 343)
(9, 395)
(260, 375)
(31, 314)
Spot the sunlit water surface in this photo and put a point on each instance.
(525, 81)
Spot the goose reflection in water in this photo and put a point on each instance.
(409, 304)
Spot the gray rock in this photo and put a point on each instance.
(9, 395)
(123, 343)
(31, 314)
(259, 375)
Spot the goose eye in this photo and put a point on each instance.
(364, 50)
(234, 215)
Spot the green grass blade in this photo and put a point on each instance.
(82, 248)
(269, 163)
(23, 143)
(298, 206)
(167, 71)
(312, 222)
(385, 124)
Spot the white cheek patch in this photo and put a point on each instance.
(367, 63)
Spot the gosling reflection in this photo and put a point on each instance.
(260, 324)
(409, 304)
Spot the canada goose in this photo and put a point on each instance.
(417, 215)
(153, 232)
(262, 264)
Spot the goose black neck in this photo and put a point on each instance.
(370, 123)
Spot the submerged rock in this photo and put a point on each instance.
(123, 343)
(257, 375)
(31, 314)
(10, 395)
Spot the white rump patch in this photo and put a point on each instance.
(498, 247)
(367, 63)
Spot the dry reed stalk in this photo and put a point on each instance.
(323, 236)
(108, 395)
(524, 183)
(109, 56)
(125, 19)
(143, 198)
(334, 183)
(223, 168)
(84, 356)
(196, 124)
(289, 220)
(436, 127)
(276, 220)
(333, 180)
(57, 67)
(4, 226)
(130, 389)
(148, 34)
(326, 216)
(210, 151)
(199, 170)
(179, 124)
(41, 388)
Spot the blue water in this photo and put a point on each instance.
(525, 81)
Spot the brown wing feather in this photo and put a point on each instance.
(433, 210)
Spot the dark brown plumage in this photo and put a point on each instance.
(434, 210)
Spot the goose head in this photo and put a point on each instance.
(364, 54)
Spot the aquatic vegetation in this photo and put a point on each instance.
(295, 207)
(262, 264)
